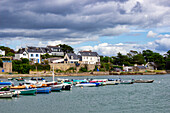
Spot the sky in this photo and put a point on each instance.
(103, 26)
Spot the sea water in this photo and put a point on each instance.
(123, 98)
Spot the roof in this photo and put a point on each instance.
(54, 47)
(34, 49)
(72, 54)
(45, 49)
(141, 67)
(88, 53)
(20, 51)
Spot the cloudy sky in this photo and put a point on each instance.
(104, 26)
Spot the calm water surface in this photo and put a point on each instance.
(134, 98)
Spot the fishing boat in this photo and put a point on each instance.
(143, 81)
(27, 91)
(6, 94)
(5, 83)
(44, 90)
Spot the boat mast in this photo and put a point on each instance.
(53, 73)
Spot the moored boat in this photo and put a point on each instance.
(28, 92)
(18, 87)
(5, 88)
(43, 90)
(87, 85)
(112, 83)
(56, 87)
(6, 94)
(5, 83)
(126, 82)
(143, 81)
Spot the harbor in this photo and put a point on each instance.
(137, 96)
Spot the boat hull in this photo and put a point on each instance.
(143, 81)
(28, 92)
(44, 90)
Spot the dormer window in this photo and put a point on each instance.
(24, 54)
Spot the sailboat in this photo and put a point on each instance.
(55, 87)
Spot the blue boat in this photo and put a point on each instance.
(44, 90)
(5, 83)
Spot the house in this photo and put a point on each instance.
(55, 50)
(2, 52)
(71, 58)
(128, 68)
(151, 66)
(89, 57)
(31, 53)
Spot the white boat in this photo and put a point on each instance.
(86, 85)
(6, 94)
(112, 83)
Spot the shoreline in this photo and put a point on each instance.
(82, 74)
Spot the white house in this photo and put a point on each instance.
(71, 58)
(55, 50)
(2, 52)
(31, 53)
(88, 57)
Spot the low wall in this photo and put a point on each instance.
(64, 67)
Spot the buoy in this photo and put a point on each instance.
(81, 87)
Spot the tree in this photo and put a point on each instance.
(138, 59)
(10, 54)
(1, 63)
(66, 48)
(7, 50)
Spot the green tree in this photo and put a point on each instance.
(7, 50)
(1, 63)
(138, 59)
(10, 54)
(66, 48)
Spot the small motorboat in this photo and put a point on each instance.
(5, 88)
(143, 81)
(56, 87)
(10, 78)
(87, 85)
(44, 90)
(27, 91)
(112, 83)
(18, 87)
(20, 79)
(126, 82)
(5, 83)
(6, 94)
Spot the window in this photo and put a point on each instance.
(32, 55)
(36, 55)
(24, 54)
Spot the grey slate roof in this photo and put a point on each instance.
(34, 49)
(88, 53)
(72, 54)
(54, 47)
(20, 51)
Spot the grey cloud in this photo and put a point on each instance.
(44, 19)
